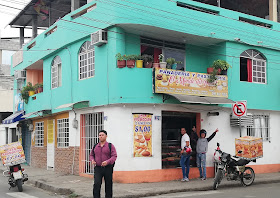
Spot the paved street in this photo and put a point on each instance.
(257, 191)
(28, 191)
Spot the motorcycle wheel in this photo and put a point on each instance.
(19, 185)
(248, 176)
(217, 179)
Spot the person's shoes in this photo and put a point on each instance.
(203, 178)
(185, 179)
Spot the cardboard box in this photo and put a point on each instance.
(251, 147)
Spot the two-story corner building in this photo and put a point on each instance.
(84, 90)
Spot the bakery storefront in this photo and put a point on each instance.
(187, 87)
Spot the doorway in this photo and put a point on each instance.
(50, 145)
(172, 122)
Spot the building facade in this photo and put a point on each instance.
(84, 90)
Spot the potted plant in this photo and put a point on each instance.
(172, 63)
(139, 61)
(162, 64)
(218, 66)
(121, 63)
(27, 91)
(130, 60)
(38, 88)
(148, 60)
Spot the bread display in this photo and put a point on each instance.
(251, 147)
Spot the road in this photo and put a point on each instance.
(254, 191)
(28, 191)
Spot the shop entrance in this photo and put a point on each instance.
(172, 122)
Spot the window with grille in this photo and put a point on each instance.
(260, 128)
(56, 72)
(91, 124)
(86, 61)
(63, 133)
(252, 67)
(39, 134)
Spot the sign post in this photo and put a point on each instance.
(239, 109)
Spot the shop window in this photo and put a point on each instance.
(155, 47)
(172, 122)
(63, 133)
(39, 134)
(86, 61)
(56, 72)
(252, 67)
(260, 128)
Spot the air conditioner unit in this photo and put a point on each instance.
(20, 74)
(99, 38)
(242, 121)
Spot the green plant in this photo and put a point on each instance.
(171, 61)
(120, 57)
(221, 64)
(38, 85)
(131, 57)
(147, 58)
(160, 57)
(218, 64)
(25, 90)
(139, 57)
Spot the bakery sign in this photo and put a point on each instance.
(170, 81)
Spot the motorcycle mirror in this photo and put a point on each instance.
(218, 144)
(239, 152)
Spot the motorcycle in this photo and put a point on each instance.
(16, 175)
(232, 169)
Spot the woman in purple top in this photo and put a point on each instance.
(103, 155)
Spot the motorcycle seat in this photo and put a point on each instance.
(242, 162)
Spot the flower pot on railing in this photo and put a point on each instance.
(139, 63)
(130, 63)
(156, 65)
(148, 64)
(121, 63)
(174, 66)
(40, 90)
(211, 69)
(162, 65)
(31, 93)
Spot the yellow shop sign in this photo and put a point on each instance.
(189, 83)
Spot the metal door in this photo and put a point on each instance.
(50, 144)
(26, 143)
(91, 124)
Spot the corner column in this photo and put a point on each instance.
(273, 10)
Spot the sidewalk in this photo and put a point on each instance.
(68, 184)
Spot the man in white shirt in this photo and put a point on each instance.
(185, 156)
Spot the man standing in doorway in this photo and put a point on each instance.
(193, 139)
(201, 149)
(103, 155)
(185, 156)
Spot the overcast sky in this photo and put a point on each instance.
(6, 16)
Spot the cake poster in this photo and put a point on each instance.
(142, 135)
(189, 83)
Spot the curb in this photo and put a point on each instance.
(67, 191)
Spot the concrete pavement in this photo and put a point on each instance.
(71, 184)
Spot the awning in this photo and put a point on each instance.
(81, 104)
(14, 118)
(202, 99)
(36, 112)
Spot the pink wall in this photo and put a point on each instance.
(34, 76)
